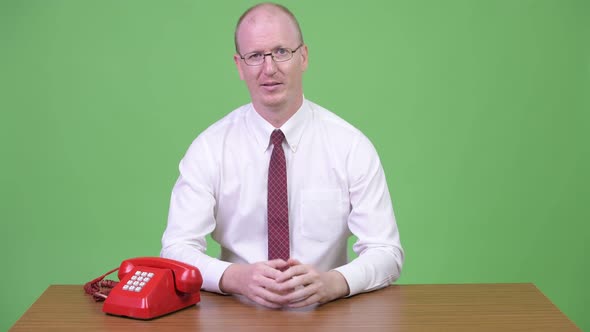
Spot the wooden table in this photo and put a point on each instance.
(467, 307)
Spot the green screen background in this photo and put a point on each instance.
(479, 111)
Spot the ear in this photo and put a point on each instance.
(239, 64)
(304, 55)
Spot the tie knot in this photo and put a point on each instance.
(277, 137)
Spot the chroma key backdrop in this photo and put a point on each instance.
(479, 111)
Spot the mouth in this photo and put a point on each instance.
(271, 84)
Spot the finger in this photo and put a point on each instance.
(272, 269)
(315, 298)
(268, 280)
(265, 303)
(293, 262)
(301, 293)
(277, 264)
(295, 283)
(276, 292)
(304, 296)
(265, 282)
(272, 297)
(293, 271)
(281, 288)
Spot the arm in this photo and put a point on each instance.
(380, 255)
(191, 215)
(372, 220)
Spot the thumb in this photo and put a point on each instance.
(293, 262)
(277, 264)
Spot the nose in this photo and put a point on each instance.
(270, 67)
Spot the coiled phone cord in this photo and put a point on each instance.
(99, 288)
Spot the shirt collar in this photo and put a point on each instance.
(293, 128)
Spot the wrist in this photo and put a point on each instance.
(339, 284)
(228, 283)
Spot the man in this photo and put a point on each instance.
(282, 166)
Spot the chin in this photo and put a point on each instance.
(272, 102)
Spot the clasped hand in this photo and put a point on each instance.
(278, 283)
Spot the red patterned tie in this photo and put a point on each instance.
(277, 200)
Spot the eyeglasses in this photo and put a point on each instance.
(279, 54)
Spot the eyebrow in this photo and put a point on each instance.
(272, 49)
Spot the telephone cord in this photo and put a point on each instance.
(99, 288)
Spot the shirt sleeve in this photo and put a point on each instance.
(372, 221)
(191, 215)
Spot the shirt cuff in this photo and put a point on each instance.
(212, 275)
(354, 277)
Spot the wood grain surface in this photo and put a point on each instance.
(465, 307)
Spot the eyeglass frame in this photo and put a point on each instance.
(264, 55)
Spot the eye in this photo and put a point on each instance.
(253, 56)
(281, 51)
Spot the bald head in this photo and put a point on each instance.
(262, 11)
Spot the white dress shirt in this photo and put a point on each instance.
(336, 188)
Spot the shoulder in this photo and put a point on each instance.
(216, 132)
(232, 119)
(334, 126)
(347, 144)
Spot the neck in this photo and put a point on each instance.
(278, 115)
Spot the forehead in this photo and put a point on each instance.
(266, 28)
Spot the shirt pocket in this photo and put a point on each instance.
(321, 214)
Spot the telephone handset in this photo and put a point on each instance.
(150, 287)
